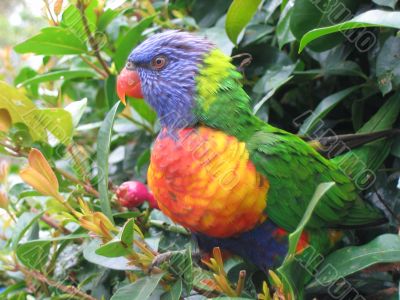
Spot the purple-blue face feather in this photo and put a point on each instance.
(171, 90)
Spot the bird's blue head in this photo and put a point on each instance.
(162, 70)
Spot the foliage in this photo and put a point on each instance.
(318, 68)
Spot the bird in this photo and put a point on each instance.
(232, 179)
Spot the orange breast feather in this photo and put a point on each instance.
(203, 179)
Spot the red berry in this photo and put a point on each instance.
(132, 194)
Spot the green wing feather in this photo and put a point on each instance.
(294, 170)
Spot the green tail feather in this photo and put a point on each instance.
(359, 163)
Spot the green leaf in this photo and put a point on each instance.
(346, 261)
(125, 45)
(388, 65)
(121, 245)
(72, 20)
(106, 18)
(272, 80)
(175, 292)
(110, 91)
(114, 248)
(144, 110)
(139, 290)
(58, 121)
(388, 3)
(12, 288)
(239, 14)
(115, 263)
(52, 41)
(217, 35)
(291, 271)
(283, 33)
(310, 14)
(127, 214)
(324, 107)
(25, 221)
(61, 75)
(207, 12)
(76, 109)
(372, 18)
(34, 254)
(127, 232)
(294, 237)
(103, 151)
(22, 110)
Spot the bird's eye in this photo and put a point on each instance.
(159, 62)
(130, 65)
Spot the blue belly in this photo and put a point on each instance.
(261, 246)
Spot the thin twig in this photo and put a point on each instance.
(88, 188)
(71, 290)
(92, 41)
(46, 3)
(144, 126)
(93, 66)
(52, 223)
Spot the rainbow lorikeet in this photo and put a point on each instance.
(220, 171)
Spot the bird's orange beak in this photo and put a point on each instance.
(128, 84)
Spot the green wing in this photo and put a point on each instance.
(294, 170)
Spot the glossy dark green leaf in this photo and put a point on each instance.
(103, 150)
(348, 260)
(52, 41)
(139, 290)
(129, 41)
(208, 12)
(283, 32)
(308, 15)
(323, 108)
(239, 14)
(388, 65)
(272, 80)
(371, 18)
